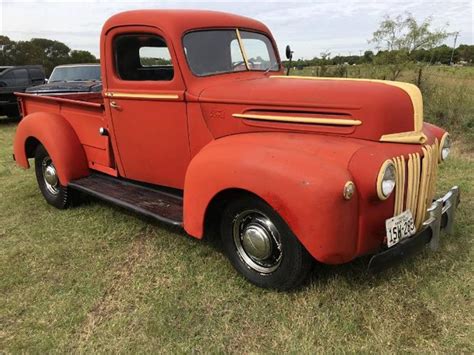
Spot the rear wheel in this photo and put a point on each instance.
(46, 176)
(261, 246)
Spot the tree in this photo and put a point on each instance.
(81, 57)
(4, 40)
(46, 52)
(53, 53)
(22, 53)
(401, 36)
(466, 52)
(368, 56)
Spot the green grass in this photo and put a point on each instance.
(95, 278)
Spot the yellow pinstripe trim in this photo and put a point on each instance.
(315, 120)
(142, 96)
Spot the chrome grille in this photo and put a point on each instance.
(416, 182)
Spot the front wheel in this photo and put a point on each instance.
(48, 181)
(261, 246)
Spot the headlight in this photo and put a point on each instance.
(386, 180)
(445, 147)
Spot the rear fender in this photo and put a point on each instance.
(306, 191)
(59, 139)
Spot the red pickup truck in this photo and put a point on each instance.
(198, 126)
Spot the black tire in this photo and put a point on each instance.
(56, 195)
(12, 112)
(247, 222)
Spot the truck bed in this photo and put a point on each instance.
(30, 101)
(85, 112)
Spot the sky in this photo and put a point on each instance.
(310, 27)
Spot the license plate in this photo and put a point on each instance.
(399, 228)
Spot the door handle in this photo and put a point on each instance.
(114, 105)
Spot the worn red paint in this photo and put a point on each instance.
(193, 143)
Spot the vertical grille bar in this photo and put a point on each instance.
(400, 184)
(423, 185)
(416, 183)
(417, 177)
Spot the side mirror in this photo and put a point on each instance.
(289, 56)
(289, 52)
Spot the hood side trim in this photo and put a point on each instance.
(313, 120)
(416, 136)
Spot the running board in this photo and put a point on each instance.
(162, 206)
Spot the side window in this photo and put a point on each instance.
(140, 57)
(21, 76)
(7, 79)
(36, 75)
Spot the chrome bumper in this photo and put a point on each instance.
(441, 216)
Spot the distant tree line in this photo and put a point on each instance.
(41, 51)
(401, 41)
(438, 55)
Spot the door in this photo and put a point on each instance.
(15, 80)
(21, 79)
(36, 76)
(145, 98)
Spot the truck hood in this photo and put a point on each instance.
(367, 109)
(66, 87)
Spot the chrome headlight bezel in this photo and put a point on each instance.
(386, 180)
(444, 147)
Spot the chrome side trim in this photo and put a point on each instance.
(296, 119)
(405, 137)
(129, 95)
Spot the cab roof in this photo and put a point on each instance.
(177, 22)
(77, 65)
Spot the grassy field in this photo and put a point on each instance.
(95, 278)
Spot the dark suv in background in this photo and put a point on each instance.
(17, 79)
(71, 78)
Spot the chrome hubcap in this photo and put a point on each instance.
(50, 176)
(257, 241)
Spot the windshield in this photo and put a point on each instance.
(79, 73)
(225, 51)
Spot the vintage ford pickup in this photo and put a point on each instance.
(198, 126)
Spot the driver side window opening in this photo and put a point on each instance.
(140, 57)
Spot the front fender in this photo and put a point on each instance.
(300, 176)
(58, 137)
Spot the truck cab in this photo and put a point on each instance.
(17, 79)
(198, 126)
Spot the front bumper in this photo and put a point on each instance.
(441, 217)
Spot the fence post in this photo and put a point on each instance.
(418, 80)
